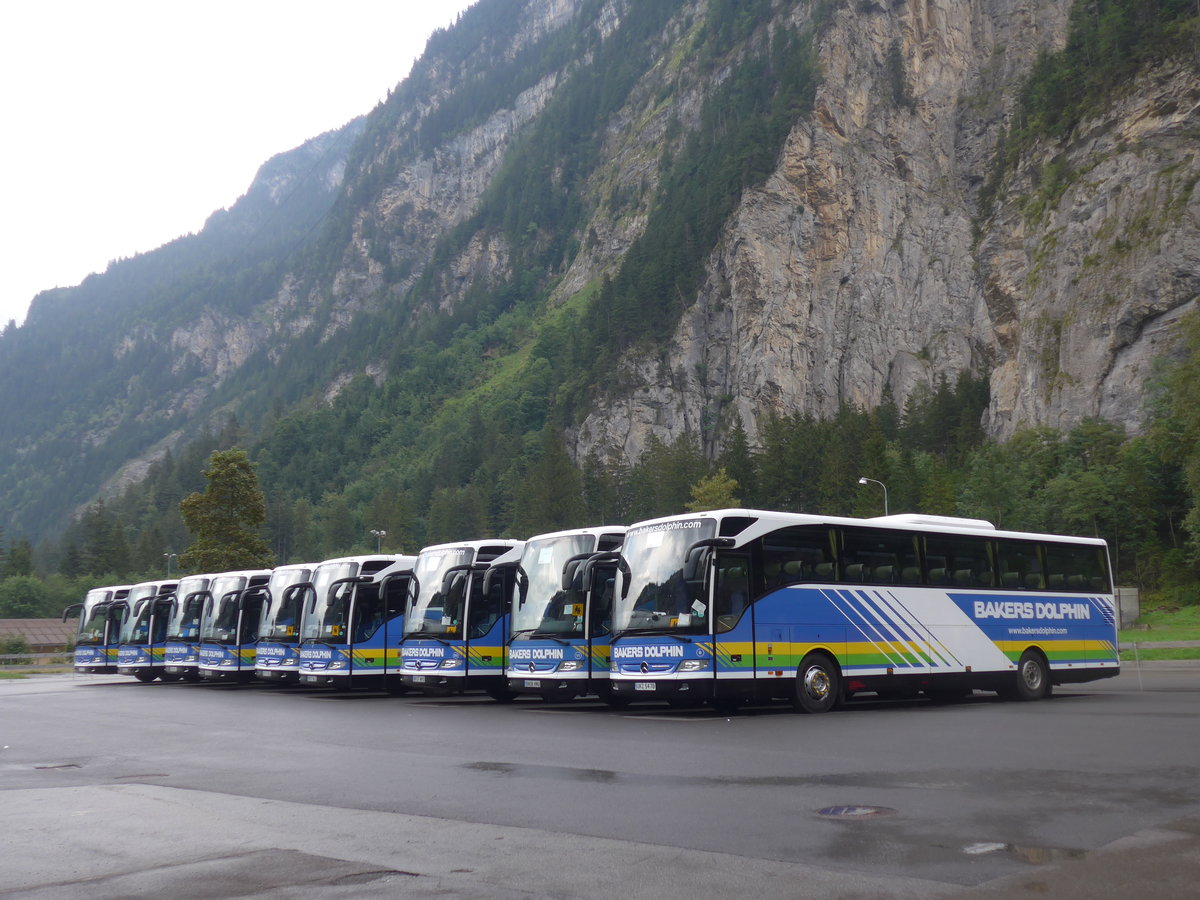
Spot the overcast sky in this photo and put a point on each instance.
(127, 122)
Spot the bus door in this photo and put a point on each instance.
(367, 630)
(160, 619)
(395, 591)
(732, 623)
(598, 602)
(250, 608)
(485, 632)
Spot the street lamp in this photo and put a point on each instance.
(169, 557)
(379, 536)
(882, 485)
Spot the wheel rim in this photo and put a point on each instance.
(1031, 674)
(817, 683)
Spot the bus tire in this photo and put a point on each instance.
(1033, 676)
(818, 684)
(145, 677)
(502, 695)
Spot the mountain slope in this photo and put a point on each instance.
(632, 222)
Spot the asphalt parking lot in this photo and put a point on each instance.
(118, 789)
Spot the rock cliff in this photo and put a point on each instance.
(854, 268)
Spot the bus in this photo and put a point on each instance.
(99, 631)
(181, 658)
(560, 632)
(145, 613)
(278, 655)
(353, 622)
(229, 625)
(736, 605)
(455, 631)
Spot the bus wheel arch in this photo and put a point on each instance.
(1033, 676)
(818, 683)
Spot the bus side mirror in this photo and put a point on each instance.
(691, 566)
(696, 554)
(570, 570)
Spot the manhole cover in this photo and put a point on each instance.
(855, 812)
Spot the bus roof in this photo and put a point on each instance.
(764, 521)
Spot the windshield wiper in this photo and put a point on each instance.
(651, 632)
(426, 637)
(550, 637)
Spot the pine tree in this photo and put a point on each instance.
(226, 518)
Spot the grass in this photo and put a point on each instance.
(1164, 624)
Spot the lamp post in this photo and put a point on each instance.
(169, 557)
(882, 485)
(379, 536)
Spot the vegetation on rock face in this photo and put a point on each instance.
(1109, 42)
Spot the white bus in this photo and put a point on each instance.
(560, 632)
(739, 604)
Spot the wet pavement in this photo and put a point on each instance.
(119, 789)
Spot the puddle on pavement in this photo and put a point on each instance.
(1038, 856)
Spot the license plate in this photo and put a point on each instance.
(645, 686)
(533, 684)
(418, 679)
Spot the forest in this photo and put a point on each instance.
(1138, 492)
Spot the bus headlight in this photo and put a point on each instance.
(227, 662)
(570, 665)
(448, 664)
(693, 665)
(338, 664)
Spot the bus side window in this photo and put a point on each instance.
(876, 556)
(601, 612)
(733, 591)
(1019, 564)
(967, 560)
(796, 555)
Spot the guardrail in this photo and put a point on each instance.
(1157, 645)
(17, 662)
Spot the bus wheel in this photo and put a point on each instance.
(165, 677)
(145, 677)
(502, 695)
(818, 684)
(617, 701)
(1033, 676)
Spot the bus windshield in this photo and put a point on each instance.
(136, 627)
(326, 621)
(281, 616)
(94, 617)
(653, 594)
(433, 611)
(185, 612)
(219, 607)
(542, 607)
